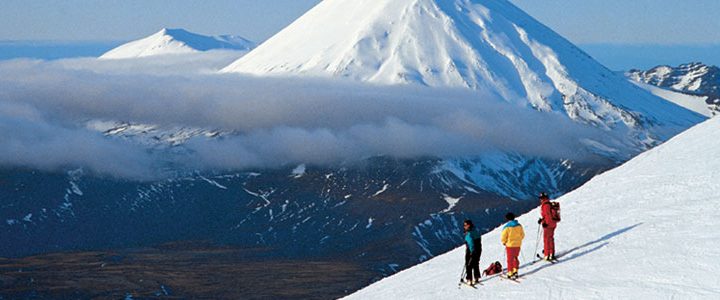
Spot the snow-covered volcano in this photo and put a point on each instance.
(644, 229)
(177, 41)
(477, 44)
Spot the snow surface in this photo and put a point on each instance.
(477, 44)
(691, 102)
(177, 41)
(645, 229)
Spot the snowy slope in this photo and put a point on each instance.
(695, 103)
(645, 229)
(177, 41)
(477, 44)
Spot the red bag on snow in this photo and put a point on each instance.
(494, 268)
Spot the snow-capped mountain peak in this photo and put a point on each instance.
(691, 77)
(177, 41)
(476, 44)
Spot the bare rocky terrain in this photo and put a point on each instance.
(183, 270)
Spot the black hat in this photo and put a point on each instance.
(543, 196)
(470, 224)
(510, 216)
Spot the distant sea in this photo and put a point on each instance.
(54, 49)
(617, 57)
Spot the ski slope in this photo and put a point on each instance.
(645, 229)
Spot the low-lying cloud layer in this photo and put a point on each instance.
(44, 107)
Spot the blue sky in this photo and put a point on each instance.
(630, 21)
(581, 21)
(678, 25)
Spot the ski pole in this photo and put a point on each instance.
(462, 274)
(537, 241)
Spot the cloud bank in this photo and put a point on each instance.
(272, 122)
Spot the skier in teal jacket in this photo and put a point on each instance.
(472, 253)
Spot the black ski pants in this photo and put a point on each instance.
(472, 264)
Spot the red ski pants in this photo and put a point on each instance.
(549, 241)
(513, 263)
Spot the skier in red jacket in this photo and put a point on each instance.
(549, 224)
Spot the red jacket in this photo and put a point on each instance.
(545, 213)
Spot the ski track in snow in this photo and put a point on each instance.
(646, 229)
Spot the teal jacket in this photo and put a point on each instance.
(472, 239)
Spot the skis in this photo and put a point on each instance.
(488, 277)
(464, 283)
(502, 276)
(543, 259)
(515, 280)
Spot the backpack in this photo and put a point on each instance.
(555, 211)
(494, 268)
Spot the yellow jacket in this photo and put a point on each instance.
(512, 234)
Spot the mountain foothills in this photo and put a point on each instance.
(177, 41)
(386, 212)
(693, 79)
(627, 233)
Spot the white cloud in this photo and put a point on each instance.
(277, 121)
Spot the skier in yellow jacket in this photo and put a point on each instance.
(512, 236)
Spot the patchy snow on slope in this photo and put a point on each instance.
(177, 41)
(646, 229)
(151, 135)
(298, 172)
(506, 174)
(382, 190)
(451, 201)
(370, 223)
(696, 78)
(213, 182)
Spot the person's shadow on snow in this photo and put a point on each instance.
(595, 245)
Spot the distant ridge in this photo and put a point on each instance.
(694, 79)
(177, 41)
